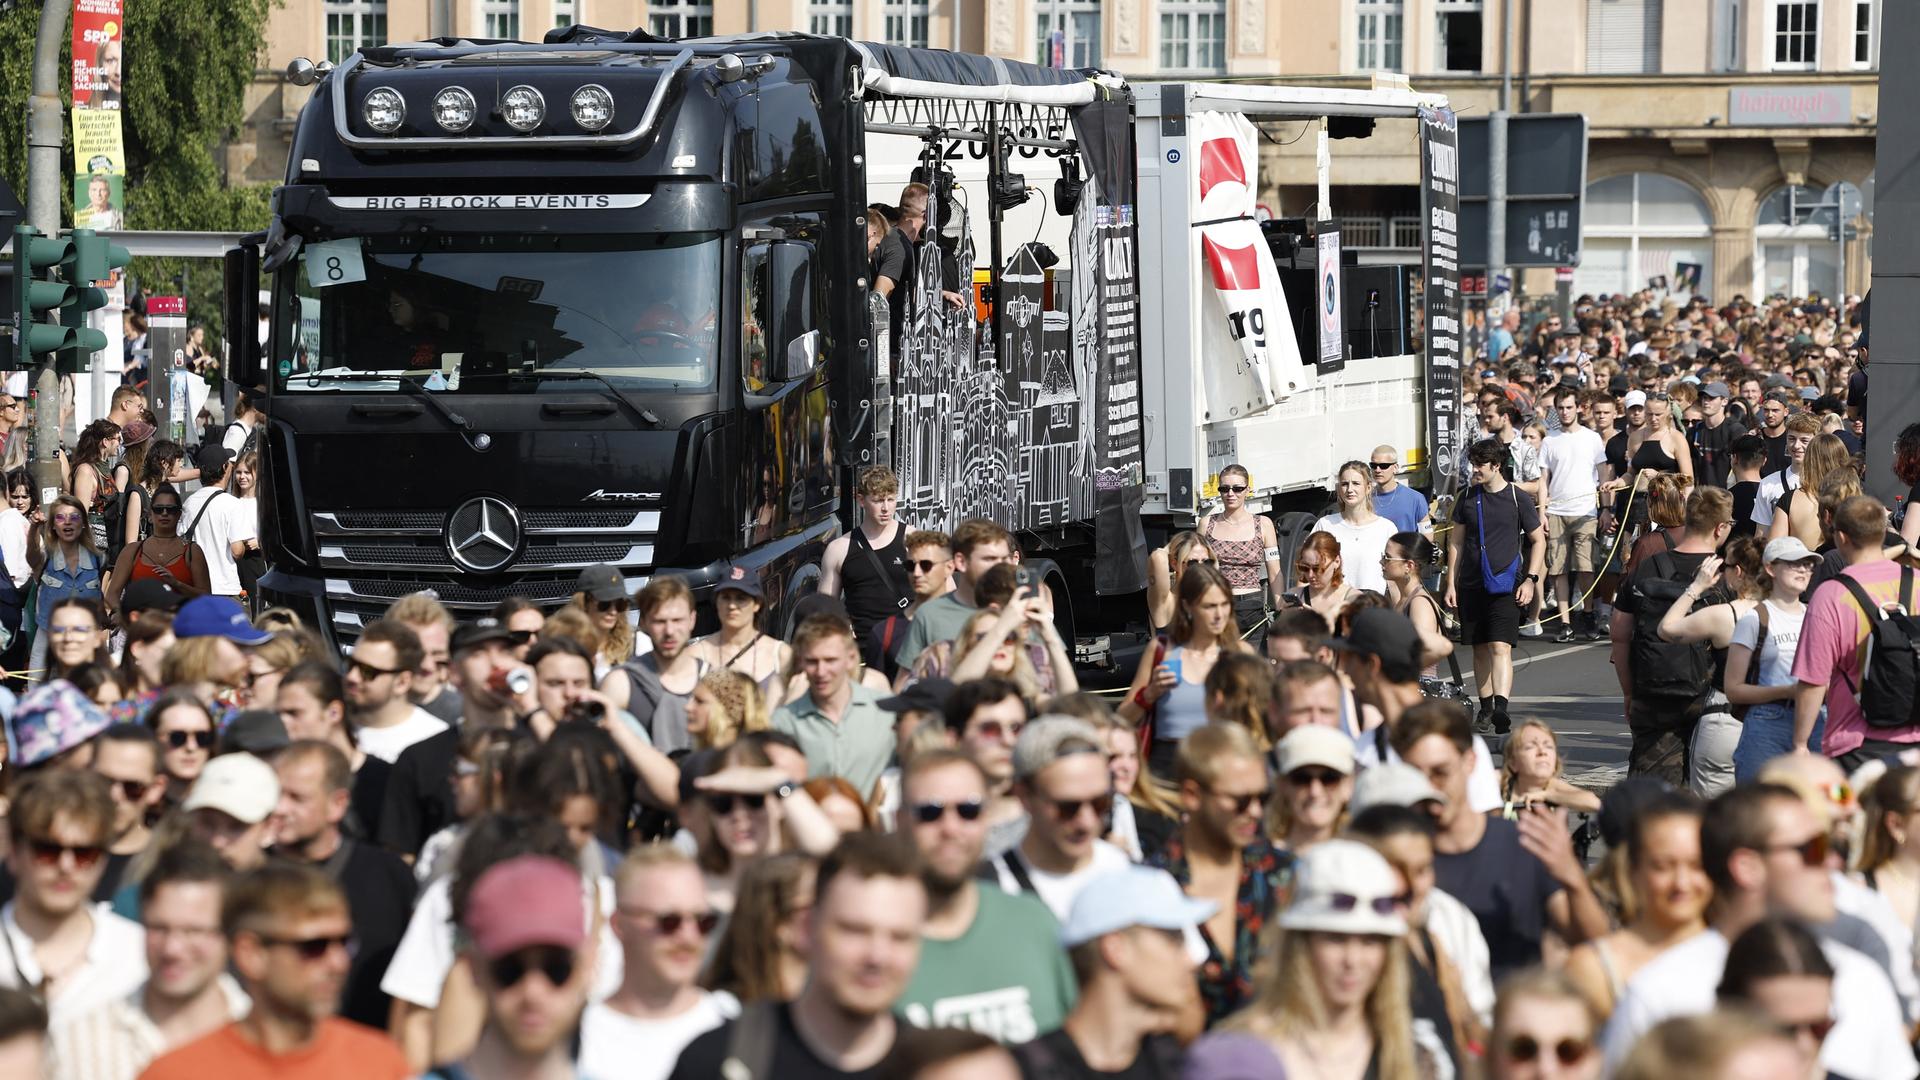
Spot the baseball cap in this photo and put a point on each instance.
(1633, 398)
(1049, 738)
(1808, 393)
(603, 583)
(1136, 896)
(523, 901)
(1313, 744)
(1379, 632)
(741, 580)
(212, 460)
(255, 731)
(479, 632)
(50, 720)
(1787, 549)
(217, 616)
(1617, 385)
(146, 594)
(925, 695)
(1716, 389)
(239, 785)
(1392, 783)
(1345, 887)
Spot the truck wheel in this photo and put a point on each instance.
(1291, 530)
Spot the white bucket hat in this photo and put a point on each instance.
(1346, 887)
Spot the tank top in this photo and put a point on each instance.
(1654, 456)
(1241, 562)
(103, 493)
(181, 567)
(871, 593)
(660, 711)
(1183, 709)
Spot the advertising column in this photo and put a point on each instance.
(168, 377)
(99, 177)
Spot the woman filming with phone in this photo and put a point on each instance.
(1169, 690)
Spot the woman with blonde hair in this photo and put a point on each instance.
(602, 596)
(1240, 690)
(1164, 567)
(1530, 772)
(725, 705)
(1335, 1001)
(1826, 454)
(1541, 1016)
(1361, 533)
(1728, 1044)
(201, 667)
(1890, 850)
(572, 623)
(1665, 495)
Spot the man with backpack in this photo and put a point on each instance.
(1668, 683)
(1496, 530)
(1856, 652)
(224, 528)
(243, 429)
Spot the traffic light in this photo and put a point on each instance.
(93, 259)
(57, 275)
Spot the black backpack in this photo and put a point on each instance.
(1661, 669)
(1889, 689)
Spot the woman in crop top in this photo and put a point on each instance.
(1246, 549)
(166, 556)
(1170, 684)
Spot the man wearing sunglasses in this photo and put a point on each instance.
(1393, 500)
(291, 940)
(53, 941)
(128, 755)
(230, 806)
(988, 959)
(984, 717)
(380, 673)
(664, 925)
(1060, 776)
(1767, 854)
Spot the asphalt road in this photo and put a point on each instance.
(1572, 687)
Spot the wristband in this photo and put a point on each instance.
(1273, 554)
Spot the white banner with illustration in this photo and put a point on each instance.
(1252, 357)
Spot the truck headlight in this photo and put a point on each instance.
(384, 110)
(523, 108)
(592, 107)
(454, 109)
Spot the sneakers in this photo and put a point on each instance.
(1483, 724)
(1533, 630)
(1566, 633)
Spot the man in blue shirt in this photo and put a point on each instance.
(1393, 500)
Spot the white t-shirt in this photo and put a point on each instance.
(1772, 486)
(115, 964)
(615, 1044)
(1572, 460)
(1058, 890)
(1360, 549)
(1775, 657)
(13, 545)
(1867, 1039)
(387, 742)
(1483, 784)
(236, 436)
(426, 951)
(1455, 929)
(228, 519)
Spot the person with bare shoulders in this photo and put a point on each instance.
(740, 644)
(867, 567)
(1665, 901)
(655, 687)
(1164, 567)
(1246, 547)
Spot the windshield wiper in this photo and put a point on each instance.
(479, 442)
(643, 414)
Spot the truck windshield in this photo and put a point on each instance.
(488, 314)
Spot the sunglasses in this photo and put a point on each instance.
(70, 630)
(66, 519)
(1813, 851)
(668, 923)
(1385, 464)
(925, 566)
(994, 729)
(1069, 809)
(369, 672)
(722, 805)
(609, 605)
(555, 964)
(1245, 802)
(1200, 562)
(1232, 489)
(1306, 568)
(312, 948)
(131, 790)
(178, 739)
(48, 853)
(166, 508)
(1819, 1029)
(522, 637)
(1324, 777)
(926, 813)
(1381, 905)
(1566, 1051)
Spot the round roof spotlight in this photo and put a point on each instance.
(384, 110)
(523, 108)
(454, 110)
(592, 107)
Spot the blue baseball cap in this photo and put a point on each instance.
(217, 616)
(1136, 896)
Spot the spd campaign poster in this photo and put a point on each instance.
(99, 28)
(99, 170)
(1251, 359)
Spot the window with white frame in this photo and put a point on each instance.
(1379, 35)
(1639, 227)
(500, 19)
(906, 23)
(1193, 36)
(1866, 34)
(680, 19)
(565, 13)
(1795, 35)
(833, 18)
(1078, 22)
(353, 25)
(1458, 39)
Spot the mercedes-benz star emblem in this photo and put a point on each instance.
(483, 534)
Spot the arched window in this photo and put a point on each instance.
(1641, 228)
(1796, 245)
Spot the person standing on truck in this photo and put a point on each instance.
(1495, 553)
(1393, 500)
(1247, 550)
(889, 261)
(867, 567)
(1363, 534)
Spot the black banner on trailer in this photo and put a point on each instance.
(1440, 268)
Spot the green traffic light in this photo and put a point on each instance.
(76, 263)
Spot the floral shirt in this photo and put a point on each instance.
(1266, 886)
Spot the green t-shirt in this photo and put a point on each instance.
(939, 619)
(1007, 977)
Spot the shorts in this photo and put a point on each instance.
(1572, 544)
(1487, 619)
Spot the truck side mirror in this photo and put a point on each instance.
(802, 356)
(790, 303)
(242, 311)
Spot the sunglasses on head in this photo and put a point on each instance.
(556, 965)
(1813, 850)
(722, 805)
(312, 948)
(668, 923)
(1232, 489)
(1380, 905)
(48, 852)
(1068, 809)
(926, 813)
(1566, 1051)
(178, 739)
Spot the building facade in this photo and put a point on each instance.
(1717, 128)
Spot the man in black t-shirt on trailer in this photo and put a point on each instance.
(1496, 551)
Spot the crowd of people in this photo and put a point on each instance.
(645, 836)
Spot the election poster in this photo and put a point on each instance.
(99, 170)
(98, 32)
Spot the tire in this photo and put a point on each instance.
(1290, 531)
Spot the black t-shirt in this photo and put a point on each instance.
(1510, 516)
(792, 1058)
(367, 799)
(892, 261)
(1617, 461)
(419, 798)
(1712, 461)
(1507, 890)
(379, 890)
(1776, 453)
(1054, 1056)
(1745, 494)
(1857, 390)
(1740, 414)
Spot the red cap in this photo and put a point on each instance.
(526, 900)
